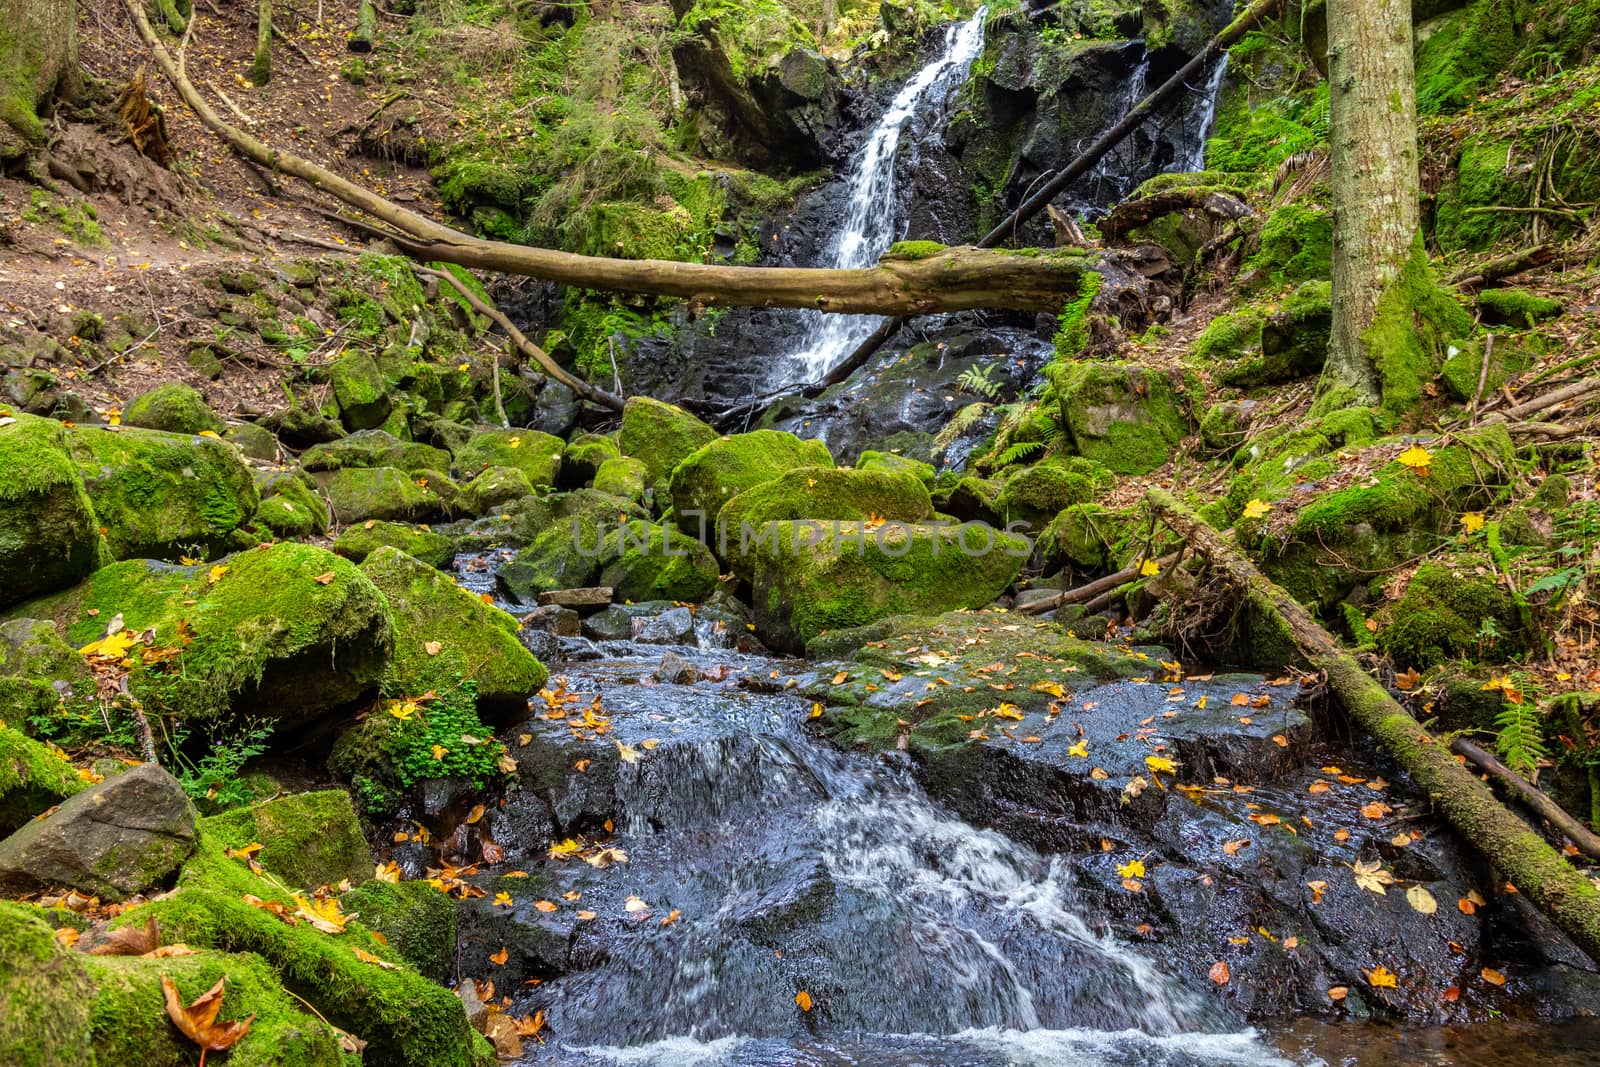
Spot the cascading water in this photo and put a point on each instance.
(1202, 117)
(874, 218)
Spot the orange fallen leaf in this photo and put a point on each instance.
(323, 579)
(198, 1021)
(433, 648)
(545, 905)
(499, 958)
(366, 957)
(1492, 976)
(1338, 992)
(475, 814)
(1232, 847)
(128, 941)
(803, 999)
(1219, 972)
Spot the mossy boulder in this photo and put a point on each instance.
(49, 537)
(267, 632)
(584, 454)
(360, 391)
(1123, 416)
(622, 476)
(374, 448)
(654, 561)
(32, 778)
(536, 454)
(175, 408)
(1447, 613)
(66, 1008)
(307, 839)
(491, 489)
(1035, 495)
(254, 442)
(1463, 366)
(359, 494)
(569, 551)
(358, 542)
(474, 640)
(713, 474)
(809, 577)
(1290, 342)
(660, 436)
(40, 674)
(1087, 536)
(889, 461)
(818, 493)
(162, 495)
(417, 920)
(1517, 307)
(289, 507)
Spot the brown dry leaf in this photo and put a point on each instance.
(433, 648)
(323, 579)
(130, 941)
(1291, 943)
(475, 814)
(529, 1026)
(1219, 972)
(1406, 681)
(545, 905)
(1452, 994)
(499, 958)
(168, 951)
(67, 936)
(366, 957)
(1338, 992)
(1318, 787)
(1492, 976)
(1280, 740)
(586, 916)
(198, 1021)
(1421, 900)
(1372, 877)
(1232, 847)
(1317, 888)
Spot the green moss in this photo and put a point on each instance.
(1123, 416)
(307, 839)
(1484, 177)
(584, 454)
(622, 476)
(1517, 307)
(821, 493)
(660, 436)
(1410, 332)
(358, 494)
(653, 561)
(1446, 613)
(710, 476)
(290, 508)
(358, 542)
(1461, 52)
(418, 921)
(476, 640)
(1035, 495)
(493, 488)
(889, 461)
(32, 778)
(535, 454)
(374, 448)
(266, 630)
(174, 407)
(160, 495)
(77, 219)
(49, 536)
(915, 250)
(1231, 336)
(1295, 245)
(1256, 136)
(1088, 536)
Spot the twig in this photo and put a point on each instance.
(97, 368)
(499, 408)
(1525, 791)
(1483, 378)
(1093, 589)
(616, 377)
(226, 99)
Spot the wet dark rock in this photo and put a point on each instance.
(552, 618)
(112, 840)
(613, 624)
(672, 627)
(544, 644)
(675, 670)
(557, 411)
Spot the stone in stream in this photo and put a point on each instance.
(112, 840)
(672, 627)
(545, 645)
(592, 598)
(675, 670)
(553, 618)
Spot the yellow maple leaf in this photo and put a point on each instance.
(439, 751)
(1081, 749)
(1380, 977)
(1416, 457)
(214, 435)
(1149, 568)
(214, 575)
(323, 914)
(112, 646)
(1256, 509)
(1132, 869)
(1472, 521)
(1161, 764)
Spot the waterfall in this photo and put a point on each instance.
(874, 218)
(1193, 157)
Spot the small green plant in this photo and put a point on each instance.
(444, 738)
(980, 381)
(213, 780)
(1520, 733)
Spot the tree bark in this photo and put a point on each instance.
(954, 279)
(1582, 838)
(261, 69)
(38, 53)
(1563, 894)
(366, 26)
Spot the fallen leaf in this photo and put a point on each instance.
(1132, 869)
(1417, 458)
(586, 916)
(803, 999)
(433, 648)
(1080, 749)
(1421, 900)
(633, 905)
(1406, 681)
(128, 941)
(366, 957)
(1472, 521)
(1338, 992)
(475, 814)
(499, 958)
(323, 579)
(545, 905)
(198, 1021)
(1372, 877)
(67, 935)
(1317, 889)
(502, 899)
(1380, 977)
(1219, 972)
(1492, 976)
(1149, 568)
(1232, 847)
(1256, 509)
(214, 575)
(1160, 764)
(322, 914)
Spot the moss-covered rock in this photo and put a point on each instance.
(162, 495)
(809, 577)
(889, 461)
(820, 493)
(442, 633)
(39, 672)
(1272, 345)
(417, 920)
(1123, 416)
(290, 507)
(1517, 307)
(360, 391)
(255, 442)
(49, 537)
(569, 551)
(307, 839)
(1035, 495)
(622, 476)
(374, 448)
(714, 473)
(175, 408)
(265, 632)
(1447, 613)
(660, 436)
(654, 561)
(359, 494)
(584, 454)
(534, 453)
(360, 541)
(493, 488)
(1087, 536)
(32, 778)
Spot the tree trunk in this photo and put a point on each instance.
(953, 279)
(38, 54)
(366, 26)
(261, 70)
(1390, 318)
(1563, 894)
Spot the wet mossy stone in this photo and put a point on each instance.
(67, 1008)
(476, 641)
(32, 779)
(1517, 307)
(49, 537)
(810, 577)
(255, 442)
(1463, 365)
(889, 461)
(417, 920)
(537, 455)
(622, 476)
(307, 839)
(272, 636)
(584, 454)
(1292, 343)
(713, 474)
(289, 507)
(1088, 536)
(1447, 613)
(654, 561)
(819, 493)
(1035, 495)
(1123, 416)
(175, 408)
(374, 448)
(569, 550)
(360, 391)
(493, 488)
(162, 495)
(970, 499)
(359, 493)
(660, 436)
(358, 542)
(300, 426)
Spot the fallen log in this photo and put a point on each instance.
(1541, 875)
(1131, 214)
(1504, 267)
(1525, 791)
(953, 279)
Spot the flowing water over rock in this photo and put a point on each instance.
(874, 216)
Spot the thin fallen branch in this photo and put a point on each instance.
(1580, 835)
(1575, 391)
(1505, 267)
(1091, 590)
(1483, 378)
(1554, 886)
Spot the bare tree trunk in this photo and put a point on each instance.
(1390, 318)
(261, 70)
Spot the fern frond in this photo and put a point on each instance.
(1521, 736)
(1018, 452)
